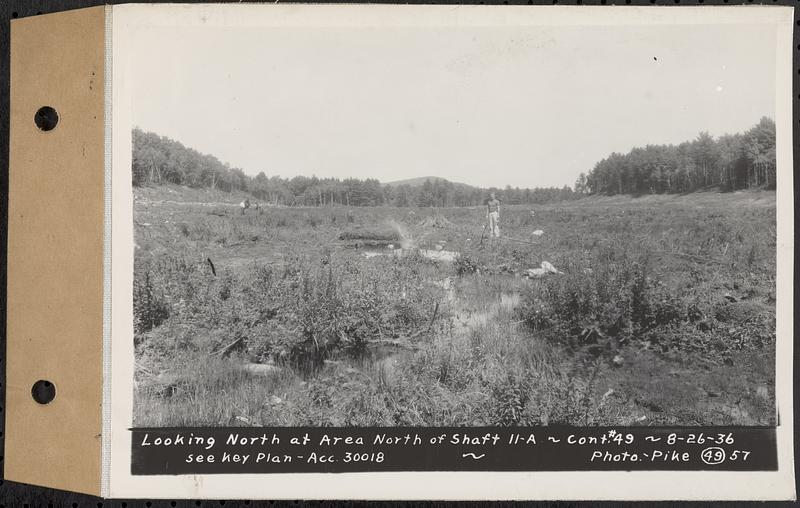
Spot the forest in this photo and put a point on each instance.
(159, 160)
(727, 163)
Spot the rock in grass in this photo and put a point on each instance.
(618, 361)
(260, 369)
(535, 272)
(546, 266)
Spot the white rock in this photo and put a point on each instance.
(536, 272)
(538, 232)
(439, 255)
(260, 369)
(549, 268)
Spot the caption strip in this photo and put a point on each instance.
(177, 451)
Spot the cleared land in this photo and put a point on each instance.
(664, 313)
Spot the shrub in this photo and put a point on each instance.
(618, 299)
(150, 308)
(510, 397)
(303, 313)
(464, 265)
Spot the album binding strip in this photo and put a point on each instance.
(55, 251)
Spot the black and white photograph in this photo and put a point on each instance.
(493, 252)
(454, 226)
(397, 252)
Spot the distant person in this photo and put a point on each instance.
(493, 215)
(245, 205)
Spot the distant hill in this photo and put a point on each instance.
(420, 181)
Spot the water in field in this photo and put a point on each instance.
(446, 256)
(380, 357)
(386, 357)
(371, 358)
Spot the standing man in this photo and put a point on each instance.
(493, 216)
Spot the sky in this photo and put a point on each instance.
(530, 106)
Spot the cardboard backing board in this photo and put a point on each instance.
(55, 251)
(59, 319)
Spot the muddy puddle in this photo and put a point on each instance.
(372, 358)
(465, 313)
(377, 358)
(385, 358)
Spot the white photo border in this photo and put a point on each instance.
(574, 485)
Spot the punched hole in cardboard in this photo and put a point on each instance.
(46, 118)
(43, 391)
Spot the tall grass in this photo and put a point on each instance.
(659, 304)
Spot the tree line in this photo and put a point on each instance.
(160, 160)
(730, 162)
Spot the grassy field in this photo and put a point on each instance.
(663, 313)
